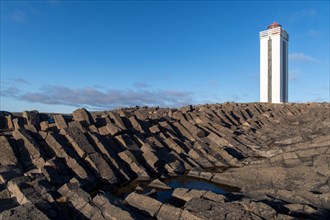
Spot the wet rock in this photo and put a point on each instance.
(179, 193)
(158, 184)
(214, 197)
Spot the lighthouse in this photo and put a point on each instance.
(274, 64)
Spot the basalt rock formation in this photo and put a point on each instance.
(275, 157)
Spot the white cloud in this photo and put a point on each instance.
(92, 98)
(10, 91)
(301, 57)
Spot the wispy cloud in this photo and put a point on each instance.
(21, 80)
(10, 91)
(97, 99)
(301, 57)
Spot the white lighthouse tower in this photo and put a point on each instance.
(274, 64)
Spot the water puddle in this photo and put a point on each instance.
(173, 182)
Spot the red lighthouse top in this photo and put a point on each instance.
(274, 25)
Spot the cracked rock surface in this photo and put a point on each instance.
(271, 160)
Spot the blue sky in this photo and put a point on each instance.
(57, 56)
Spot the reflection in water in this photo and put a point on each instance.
(174, 182)
(193, 183)
(189, 183)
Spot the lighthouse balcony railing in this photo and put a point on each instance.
(274, 31)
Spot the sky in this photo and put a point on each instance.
(57, 56)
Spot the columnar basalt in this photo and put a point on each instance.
(276, 156)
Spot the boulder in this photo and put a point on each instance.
(101, 168)
(187, 215)
(61, 149)
(14, 187)
(129, 158)
(144, 203)
(25, 193)
(44, 126)
(154, 129)
(168, 212)
(29, 150)
(7, 155)
(78, 141)
(25, 211)
(82, 115)
(9, 172)
(158, 184)
(60, 121)
(109, 210)
(32, 118)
